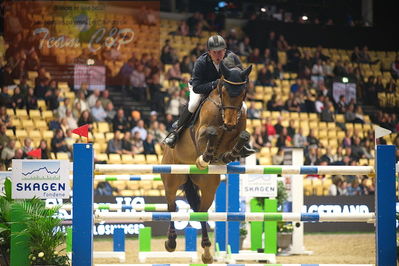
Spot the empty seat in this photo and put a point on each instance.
(114, 158)
(62, 156)
(151, 159)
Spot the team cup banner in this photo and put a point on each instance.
(44, 179)
(100, 36)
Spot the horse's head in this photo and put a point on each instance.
(232, 91)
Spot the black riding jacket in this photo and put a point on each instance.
(205, 74)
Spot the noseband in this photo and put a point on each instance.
(222, 107)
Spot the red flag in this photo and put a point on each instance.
(82, 131)
(35, 153)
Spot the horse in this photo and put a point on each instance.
(217, 136)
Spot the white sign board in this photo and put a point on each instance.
(260, 186)
(3, 176)
(44, 179)
(346, 89)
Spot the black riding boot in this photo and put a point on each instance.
(246, 150)
(181, 124)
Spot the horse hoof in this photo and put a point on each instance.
(207, 260)
(200, 163)
(168, 247)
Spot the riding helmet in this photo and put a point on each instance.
(216, 42)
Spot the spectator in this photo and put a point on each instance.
(259, 138)
(357, 149)
(104, 188)
(111, 113)
(370, 94)
(395, 68)
(120, 122)
(105, 98)
(81, 99)
(341, 105)
(283, 140)
(183, 29)
(186, 66)
(174, 72)
(350, 116)
(292, 104)
(312, 157)
(92, 99)
(5, 98)
(336, 186)
(173, 106)
(311, 138)
(31, 100)
(140, 128)
(6, 76)
(354, 188)
(72, 122)
(61, 110)
(253, 112)
(27, 147)
(299, 139)
(265, 77)
(379, 86)
(269, 128)
(255, 57)
(53, 99)
(41, 90)
(340, 70)
(244, 47)
(115, 144)
(327, 114)
(8, 153)
(293, 58)
(365, 57)
(137, 143)
(291, 128)
(268, 57)
(356, 56)
(168, 56)
(138, 83)
(98, 113)
(319, 103)
(86, 118)
(17, 99)
(58, 143)
(282, 44)
(198, 50)
(317, 73)
(347, 140)
(44, 149)
(278, 158)
(149, 145)
(279, 125)
(4, 139)
(127, 147)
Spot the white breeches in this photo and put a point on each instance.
(195, 100)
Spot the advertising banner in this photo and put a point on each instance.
(44, 179)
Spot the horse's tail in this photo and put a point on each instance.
(192, 194)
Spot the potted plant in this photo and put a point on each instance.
(41, 229)
(5, 227)
(284, 235)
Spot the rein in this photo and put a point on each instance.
(222, 107)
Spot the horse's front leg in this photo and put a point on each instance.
(205, 159)
(235, 152)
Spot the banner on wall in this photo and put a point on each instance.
(44, 179)
(346, 89)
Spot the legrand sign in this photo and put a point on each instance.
(259, 186)
(43, 179)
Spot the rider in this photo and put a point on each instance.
(205, 77)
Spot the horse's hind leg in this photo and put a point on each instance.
(204, 160)
(208, 185)
(171, 184)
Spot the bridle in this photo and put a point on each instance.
(223, 107)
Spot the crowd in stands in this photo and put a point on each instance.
(144, 77)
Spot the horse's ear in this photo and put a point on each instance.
(245, 72)
(225, 71)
